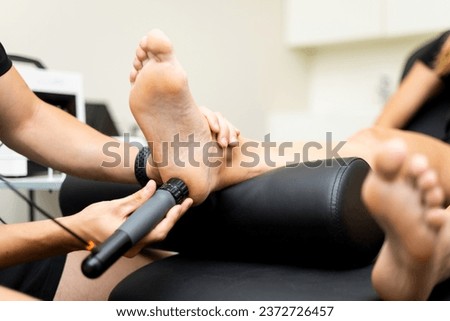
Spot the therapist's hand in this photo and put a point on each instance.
(226, 133)
(98, 221)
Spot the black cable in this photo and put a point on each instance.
(89, 245)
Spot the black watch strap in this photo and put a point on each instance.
(140, 165)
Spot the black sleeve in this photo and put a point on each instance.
(426, 53)
(5, 62)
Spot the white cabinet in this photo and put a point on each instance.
(410, 17)
(315, 22)
(310, 23)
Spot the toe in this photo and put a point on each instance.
(143, 43)
(137, 64)
(133, 75)
(141, 54)
(434, 197)
(417, 166)
(437, 217)
(427, 180)
(157, 43)
(390, 158)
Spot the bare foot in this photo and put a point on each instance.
(404, 196)
(165, 110)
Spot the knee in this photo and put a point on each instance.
(367, 135)
(365, 141)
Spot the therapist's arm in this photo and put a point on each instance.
(30, 241)
(52, 137)
(417, 87)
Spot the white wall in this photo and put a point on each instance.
(232, 50)
(347, 86)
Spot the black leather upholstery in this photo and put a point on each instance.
(310, 214)
(196, 279)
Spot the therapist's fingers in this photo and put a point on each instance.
(160, 232)
(211, 118)
(226, 133)
(128, 204)
(162, 229)
(223, 136)
(98, 221)
(233, 136)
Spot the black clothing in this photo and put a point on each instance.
(427, 54)
(40, 278)
(433, 118)
(5, 62)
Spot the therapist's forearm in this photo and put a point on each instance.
(54, 138)
(417, 87)
(32, 241)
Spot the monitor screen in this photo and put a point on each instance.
(61, 89)
(66, 102)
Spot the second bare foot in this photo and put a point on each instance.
(403, 194)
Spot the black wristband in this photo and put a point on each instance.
(140, 165)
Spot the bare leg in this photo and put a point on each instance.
(164, 108)
(365, 144)
(404, 196)
(12, 295)
(74, 286)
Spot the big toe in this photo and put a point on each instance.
(390, 158)
(157, 43)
